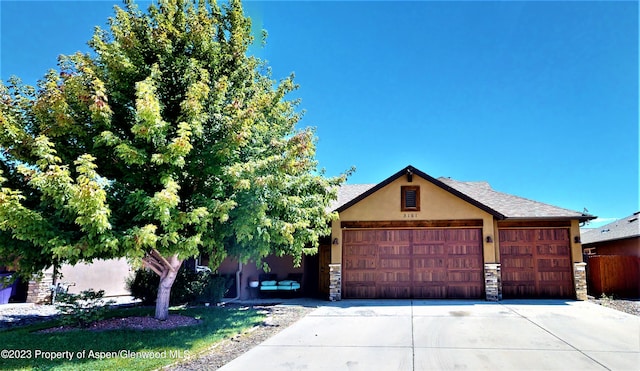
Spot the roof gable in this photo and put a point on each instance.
(413, 171)
(480, 194)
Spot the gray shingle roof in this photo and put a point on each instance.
(620, 229)
(509, 205)
(348, 192)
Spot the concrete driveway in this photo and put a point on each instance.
(447, 334)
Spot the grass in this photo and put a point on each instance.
(121, 349)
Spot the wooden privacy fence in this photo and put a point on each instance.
(614, 274)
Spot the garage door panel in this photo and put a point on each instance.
(511, 277)
(356, 290)
(552, 234)
(463, 291)
(429, 263)
(398, 236)
(553, 250)
(515, 249)
(552, 264)
(391, 263)
(536, 263)
(387, 277)
(558, 277)
(463, 263)
(361, 277)
(428, 277)
(430, 235)
(555, 291)
(516, 263)
(360, 263)
(463, 276)
(464, 250)
(431, 249)
(362, 250)
(359, 237)
(393, 292)
(462, 235)
(522, 290)
(430, 292)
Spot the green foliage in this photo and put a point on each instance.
(143, 285)
(82, 309)
(167, 139)
(188, 287)
(215, 289)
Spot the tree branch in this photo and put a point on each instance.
(162, 259)
(157, 263)
(151, 263)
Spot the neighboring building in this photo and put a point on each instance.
(613, 262)
(621, 237)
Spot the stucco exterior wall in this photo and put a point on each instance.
(108, 275)
(435, 204)
(576, 246)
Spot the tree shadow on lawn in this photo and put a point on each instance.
(123, 348)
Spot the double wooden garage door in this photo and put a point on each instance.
(423, 263)
(447, 263)
(536, 263)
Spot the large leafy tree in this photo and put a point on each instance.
(167, 141)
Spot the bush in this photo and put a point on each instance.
(215, 289)
(83, 309)
(188, 286)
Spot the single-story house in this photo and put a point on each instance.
(414, 236)
(613, 257)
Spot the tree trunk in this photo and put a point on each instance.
(167, 269)
(164, 294)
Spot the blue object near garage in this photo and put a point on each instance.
(6, 290)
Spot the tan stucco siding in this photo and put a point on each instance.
(108, 275)
(435, 204)
(576, 246)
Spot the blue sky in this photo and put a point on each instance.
(540, 99)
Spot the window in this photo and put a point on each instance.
(410, 198)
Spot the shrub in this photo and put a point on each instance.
(188, 286)
(215, 289)
(82, 309)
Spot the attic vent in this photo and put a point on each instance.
(410, 198)
(604, 230)
(632, 220)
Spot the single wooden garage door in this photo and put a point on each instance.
(401, 264)
(536, 263)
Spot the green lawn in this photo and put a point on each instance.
(22, 348)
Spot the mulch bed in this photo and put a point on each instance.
(132, 323)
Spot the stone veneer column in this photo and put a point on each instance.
(335, 282)
(492, 282)
(580, 280)
(39, 290)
